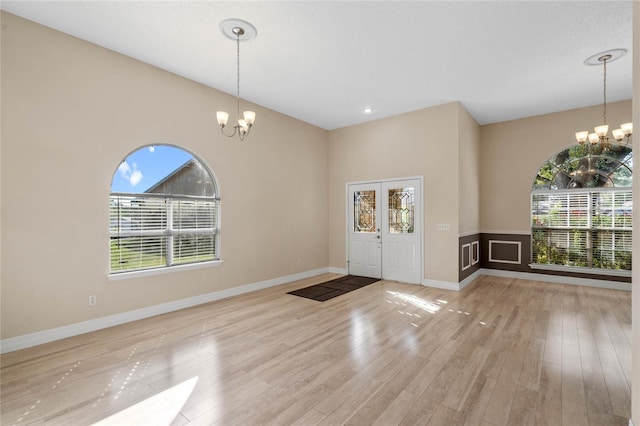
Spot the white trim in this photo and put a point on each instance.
(507, 232)
(477, 258)
(32, 339)
(557, 279)
(580, 270)
(630, 422)
(584, 190)
(468, 246)
(358, 182)
(163, 270)
(447, 285)
(516, 262)
(471, 278)
(467, 234)
(341, 271)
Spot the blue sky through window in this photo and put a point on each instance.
(147, 166)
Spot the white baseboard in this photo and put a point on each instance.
(471, 278)
(557, 279)
(444, 285)
(32, 339)
(341, 271)
(448, 285)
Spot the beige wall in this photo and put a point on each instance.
(419, 143)
(513, 152)
(469, 163)
(71, 111)
(635, 279)
(1, 36)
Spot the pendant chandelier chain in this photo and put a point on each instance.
(605, 89)
(238, 73)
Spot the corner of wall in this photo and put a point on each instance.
(635, 305)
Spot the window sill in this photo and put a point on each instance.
(164, 270)
(580, 270)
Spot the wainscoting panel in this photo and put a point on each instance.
(466, 256)
(475, 252)
(505, 251)
(512, 252)
(469, 252)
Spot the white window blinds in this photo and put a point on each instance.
(589, 229)
(151, 231)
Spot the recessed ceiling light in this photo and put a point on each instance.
(367, 110)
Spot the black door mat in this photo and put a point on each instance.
(330, 289)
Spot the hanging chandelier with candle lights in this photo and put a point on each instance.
(238, 30)
(600, 135)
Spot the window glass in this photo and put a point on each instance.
(401, 206)
(364, 211)
(587, 166)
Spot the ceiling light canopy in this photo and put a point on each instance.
(238, 30)
(601, 132)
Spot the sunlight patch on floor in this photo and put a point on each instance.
(416, 301)
(159, 409)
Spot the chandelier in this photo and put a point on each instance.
(237, 30)
(601, 132)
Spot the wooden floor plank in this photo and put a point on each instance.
(523, 409)
(574, 405)
(549, 407)
(599, 410)
(473, 410)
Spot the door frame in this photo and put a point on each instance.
(421, 218)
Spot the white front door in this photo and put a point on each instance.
(364, 230)
(385, 230)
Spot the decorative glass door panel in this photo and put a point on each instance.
(401, 210)
(364, 211)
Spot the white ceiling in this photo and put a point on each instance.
(323, 61)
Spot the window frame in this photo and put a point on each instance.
(590, 229)
(587, 169)
(169, 232)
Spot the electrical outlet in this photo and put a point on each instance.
(444, 227)
(93, 300)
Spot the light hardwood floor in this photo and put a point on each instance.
(500, 352)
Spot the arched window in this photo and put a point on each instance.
(164, 210)
(581, 209)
